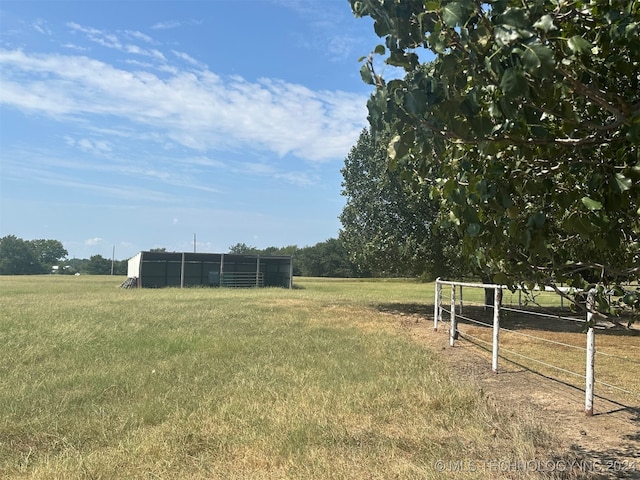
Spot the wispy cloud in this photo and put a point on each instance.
(188, 58)
(134, 34)
(41, 26)
(68, 179)
(114, 41)
(90, 146)
(166, 25)
(327, 33)
(91, 165)
(93, 241)
(193, 108)
(108, 40)
(73, 46)
(170, 24)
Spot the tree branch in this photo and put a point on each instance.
(598, 97)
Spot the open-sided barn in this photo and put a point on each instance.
(175, 269)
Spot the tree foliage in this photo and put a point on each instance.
(388, 223)
(98, 265)
(526, 126)
(17, 257)
(48, 252)
(243, 249)
(324, 259)
(29, 257)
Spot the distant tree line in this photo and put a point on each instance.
(32, 257)
(324, 259)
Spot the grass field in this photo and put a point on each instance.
(315, 382)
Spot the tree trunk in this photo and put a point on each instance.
(489, 294)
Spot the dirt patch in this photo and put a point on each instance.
(608, 442)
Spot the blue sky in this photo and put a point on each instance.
(137, 124)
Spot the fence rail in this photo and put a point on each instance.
(455, 313)
(242, 279)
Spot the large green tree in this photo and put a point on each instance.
(525, 124)
(17, 257)
(98, 265)
(49, 252)
(388, 224)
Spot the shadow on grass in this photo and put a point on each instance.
(617, 406)
(419, 309)
(554, 319)
(619, 463)
(613, 462)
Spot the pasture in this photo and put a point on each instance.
(316, 382)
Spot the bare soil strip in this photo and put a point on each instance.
(609, 441)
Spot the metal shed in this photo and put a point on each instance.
(175, 269)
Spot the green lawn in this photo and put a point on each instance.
(314, 382)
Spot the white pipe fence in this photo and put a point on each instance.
(590, 350)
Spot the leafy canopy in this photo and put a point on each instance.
(526, 126)
(387, 222)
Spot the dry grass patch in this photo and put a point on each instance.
(99, 382)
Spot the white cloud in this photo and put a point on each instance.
(140, 36)
(188, 58)
(196, 109)
(134, 49)
(108, 40)
(92, 241)
(89, 146)
(73, 46)
(42, 27)
(169, 24)
(111, 40)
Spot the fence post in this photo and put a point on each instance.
(453, 329)
(591, 351)
(497, 301)
(460, 299)
(182, 272)
(436, 304)
(440, 306)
